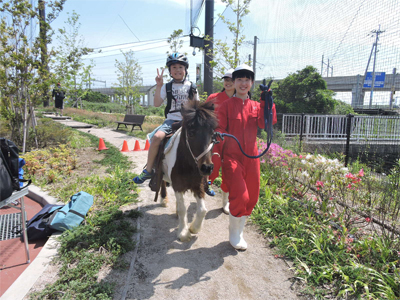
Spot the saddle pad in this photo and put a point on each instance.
(170, 142)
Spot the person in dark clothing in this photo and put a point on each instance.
(59, 95)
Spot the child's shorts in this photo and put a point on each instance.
(166, 127)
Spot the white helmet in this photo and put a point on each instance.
(228, 74)
(243, 69)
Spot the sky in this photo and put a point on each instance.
(291, 34)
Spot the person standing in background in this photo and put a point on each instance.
(58, 95)
(219, 98)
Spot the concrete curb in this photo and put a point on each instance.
(20, 288)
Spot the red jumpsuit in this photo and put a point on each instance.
(241, 174)
(218, 99)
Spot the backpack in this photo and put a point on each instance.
(6, 187)
(168, 87)
(60, 94)
(73, 213)
(11, 164)
(39, 226)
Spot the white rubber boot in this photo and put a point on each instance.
(236, 226)
(225, 202)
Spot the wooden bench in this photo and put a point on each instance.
(134, 120)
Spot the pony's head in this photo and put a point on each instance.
(198, 125)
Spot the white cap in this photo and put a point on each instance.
(243, 67)
(228, 74)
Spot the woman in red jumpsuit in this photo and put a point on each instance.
(241, 116)
(218, 99)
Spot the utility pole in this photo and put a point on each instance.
(327, 68)
(43, 47)
(392, 89)
(208, 46)
(377, 32)
(254, 61)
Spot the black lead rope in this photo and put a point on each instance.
(268, 117)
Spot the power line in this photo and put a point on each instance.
(344, 36)
(128, 27)
(109, 46)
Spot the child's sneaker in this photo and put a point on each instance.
(142, 177)
(208, 190)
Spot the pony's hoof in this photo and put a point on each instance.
(193, 229)
(164, 202)
(185, 236)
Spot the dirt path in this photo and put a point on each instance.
(207, 267)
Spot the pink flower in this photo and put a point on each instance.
(367, 220)
(349, 175)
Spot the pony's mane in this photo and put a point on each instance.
(197, 113)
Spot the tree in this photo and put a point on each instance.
(68, 66)
(21, 89)
(175, 42)
(227, 56)
(304, 92)
(129, 75)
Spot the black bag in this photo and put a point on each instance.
(10, 157)
(6, 186)
(39, 226)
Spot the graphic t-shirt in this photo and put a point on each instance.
(180, 91)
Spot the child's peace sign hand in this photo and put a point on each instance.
(159, 77)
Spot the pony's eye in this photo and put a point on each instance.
(191, 134)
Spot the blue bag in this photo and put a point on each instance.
(73, 213)
(39, 226)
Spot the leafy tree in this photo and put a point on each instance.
(129, 75)
(226, 56)
(21, 87)
(68, 66)
(342, 108)
(304, 92)
(175, 42)
(97, 97)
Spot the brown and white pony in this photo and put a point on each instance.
(189, 161)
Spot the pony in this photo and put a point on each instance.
(187, 163)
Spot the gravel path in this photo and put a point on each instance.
(207, 267)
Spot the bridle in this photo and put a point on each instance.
(196, 159)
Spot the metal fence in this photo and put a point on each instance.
(374, 139)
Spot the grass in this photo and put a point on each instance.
(107, 231)
(322, 217)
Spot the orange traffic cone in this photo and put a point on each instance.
(102, 146)
(137, 147)
(125, 147)
(147, 146)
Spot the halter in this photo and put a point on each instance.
(196, 159)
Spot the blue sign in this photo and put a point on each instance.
(379, 80)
